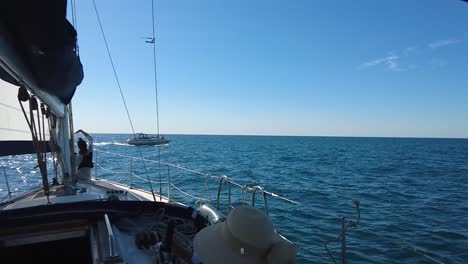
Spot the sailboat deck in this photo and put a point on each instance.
(97, 231)
(96, 189)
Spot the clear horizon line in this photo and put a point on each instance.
(277, 135)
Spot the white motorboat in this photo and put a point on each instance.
(69, 219)
(143, 139)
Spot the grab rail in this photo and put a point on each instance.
(345, 224)
(224, 177)
(111, 238)
(205, 175)
(260, 188)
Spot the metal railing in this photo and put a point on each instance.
(245, 190)
(222, 179)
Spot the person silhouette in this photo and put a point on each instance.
(84, 159)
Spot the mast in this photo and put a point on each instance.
(65, 142)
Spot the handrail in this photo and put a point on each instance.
(248, 188)
(345, 224)
(111, 238)
(146, 180)
(206, 175)
(155, 161)
(255, 188)
(188, 194)
(224, 178)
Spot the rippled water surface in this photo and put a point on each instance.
(412, 191)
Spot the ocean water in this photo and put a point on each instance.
(413, 192)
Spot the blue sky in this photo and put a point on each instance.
(319, 68)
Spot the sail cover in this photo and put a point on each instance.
(37, 49)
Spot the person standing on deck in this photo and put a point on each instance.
(84, 159)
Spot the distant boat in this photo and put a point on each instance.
(93, 220)
(143, 139)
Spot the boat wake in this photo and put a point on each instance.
(100, 144)
(110, 143)
(162, 145)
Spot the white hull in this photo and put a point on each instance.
(149, 142)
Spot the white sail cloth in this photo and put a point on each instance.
(14, 131)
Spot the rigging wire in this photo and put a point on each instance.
(72, 7)
(36, 139)
(402, 245)
(113, 68)
(155, 67)
(122, 96)
(156, 93)
(205, 175)
(74, 22)
(143, 179)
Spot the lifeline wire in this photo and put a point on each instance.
(143, 179)
(391, 240)
(402, 245)
(207, 176)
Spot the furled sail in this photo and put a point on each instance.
(37, 50)
(15, 135)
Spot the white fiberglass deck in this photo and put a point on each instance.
(96, 189)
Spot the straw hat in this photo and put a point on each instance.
(246, 237)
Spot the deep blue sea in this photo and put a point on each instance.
(412, 191)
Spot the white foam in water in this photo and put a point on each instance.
(121, 144)
(110, 143)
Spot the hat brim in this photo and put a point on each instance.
(210, 245)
